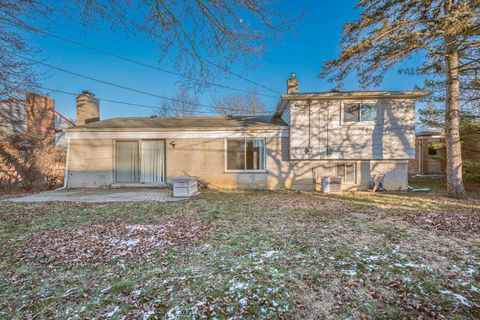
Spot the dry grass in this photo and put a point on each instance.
(268, 255)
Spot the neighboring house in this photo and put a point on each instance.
(354, 135)
(431, 155)
(36, 116)
(429, 158)
(36, 113)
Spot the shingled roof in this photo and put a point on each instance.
(184, 123)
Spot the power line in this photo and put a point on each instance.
(116, 85)
(115, 101)
(155, 67)
(120, 102)
(208, 61)
(146, 64)
(128, 88)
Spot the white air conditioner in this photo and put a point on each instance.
(331, 184)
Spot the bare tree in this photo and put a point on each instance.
(16, 75)
(445, 32)
(240, 104)
(202, 37)
(182, 105)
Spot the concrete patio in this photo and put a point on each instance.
(101, 195)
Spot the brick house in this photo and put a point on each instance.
(353, 135)
(36, 116)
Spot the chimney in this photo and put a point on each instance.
(292, 84)
(40, 116)
(88, 108)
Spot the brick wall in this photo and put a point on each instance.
(91, 165)
(40, 111)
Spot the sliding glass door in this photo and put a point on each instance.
(127, 169)
(153, 161)
(140, 161)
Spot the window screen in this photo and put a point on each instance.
(246, 154)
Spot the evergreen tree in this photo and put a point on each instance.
(446, 33)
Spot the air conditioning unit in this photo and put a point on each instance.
(331, 184)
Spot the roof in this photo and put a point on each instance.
(64, 118)
(184, 124)
(427, 133)
(344, 95)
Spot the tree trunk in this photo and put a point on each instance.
(455, 185)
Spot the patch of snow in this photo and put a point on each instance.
(269, 254)
(352, 272)
(111, 313)
(457, 296)
(377, 258)
(421, 289)
(148, 314)
(409, 265)
(462, 282)
(173, 313)
(243, 302)
(237, 285)
(129, 243)
(456, 269)
(474, 289)
(106, 289)
(470, 271)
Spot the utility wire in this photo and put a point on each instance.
(151, 66)
(116, 101)
(146, 64)
(115, 85)
(125, 102)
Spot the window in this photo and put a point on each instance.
(245, 155)
(359, 112)
(432, 151)
(346, 172)
(140, 161)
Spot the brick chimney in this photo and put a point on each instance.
(292, 84)
(88, 108)
(40, 116)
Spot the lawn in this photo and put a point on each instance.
(243, 254)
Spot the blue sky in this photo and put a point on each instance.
(314, 39)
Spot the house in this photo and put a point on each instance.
(38, 115)
(353, 135)
(431, 153)
(32, 119)
(429, 157)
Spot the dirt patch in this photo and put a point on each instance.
(445, 221)
(101, 243)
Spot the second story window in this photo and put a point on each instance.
(359, 112)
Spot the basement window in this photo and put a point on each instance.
(346, 172)
(245, 155)
(360, 112)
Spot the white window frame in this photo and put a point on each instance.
(346, 104)
(245, 144)
(345, 171)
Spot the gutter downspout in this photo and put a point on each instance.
(65, 178)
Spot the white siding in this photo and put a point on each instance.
(392, 136)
